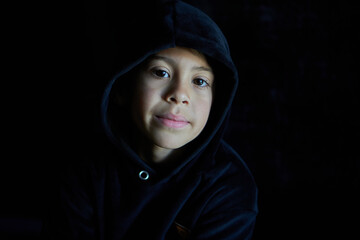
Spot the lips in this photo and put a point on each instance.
(172, 121)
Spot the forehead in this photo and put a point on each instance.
(178, 54)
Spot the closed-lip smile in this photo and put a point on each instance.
(172, 121)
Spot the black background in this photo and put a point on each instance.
(295, 119)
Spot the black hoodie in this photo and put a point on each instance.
(208, 194)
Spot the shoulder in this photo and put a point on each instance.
(229, 198)
(227, 155)
(233, 179)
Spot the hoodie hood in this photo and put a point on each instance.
(169, 24)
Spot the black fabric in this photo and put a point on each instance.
(113, 194)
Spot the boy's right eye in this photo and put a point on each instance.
(161, 73)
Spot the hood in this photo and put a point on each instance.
(168, 24)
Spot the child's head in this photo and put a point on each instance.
(172, 97)
(166, 87)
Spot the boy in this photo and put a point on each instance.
(166, 173)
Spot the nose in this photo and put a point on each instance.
(178, 94)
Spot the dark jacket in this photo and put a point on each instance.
(209, 194)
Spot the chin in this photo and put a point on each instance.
(172, 142)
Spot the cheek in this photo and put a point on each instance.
(143, 101)
(202, 109)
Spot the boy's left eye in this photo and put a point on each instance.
(200, 82)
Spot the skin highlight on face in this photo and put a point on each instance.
(172, 101)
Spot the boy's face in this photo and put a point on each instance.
(173, 97)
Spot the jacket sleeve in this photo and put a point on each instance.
(224, 219)
(231, 209)
(71, 214)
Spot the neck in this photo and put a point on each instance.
(150, 152)
(154, 154)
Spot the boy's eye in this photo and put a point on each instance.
(161, 73)
(200, 82)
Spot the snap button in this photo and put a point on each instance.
(144, 175)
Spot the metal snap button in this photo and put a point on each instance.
(144, 175)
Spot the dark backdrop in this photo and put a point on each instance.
(295, 119)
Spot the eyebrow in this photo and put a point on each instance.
(202, 69)
(172, 62)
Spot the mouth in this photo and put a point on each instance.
(172, 121)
